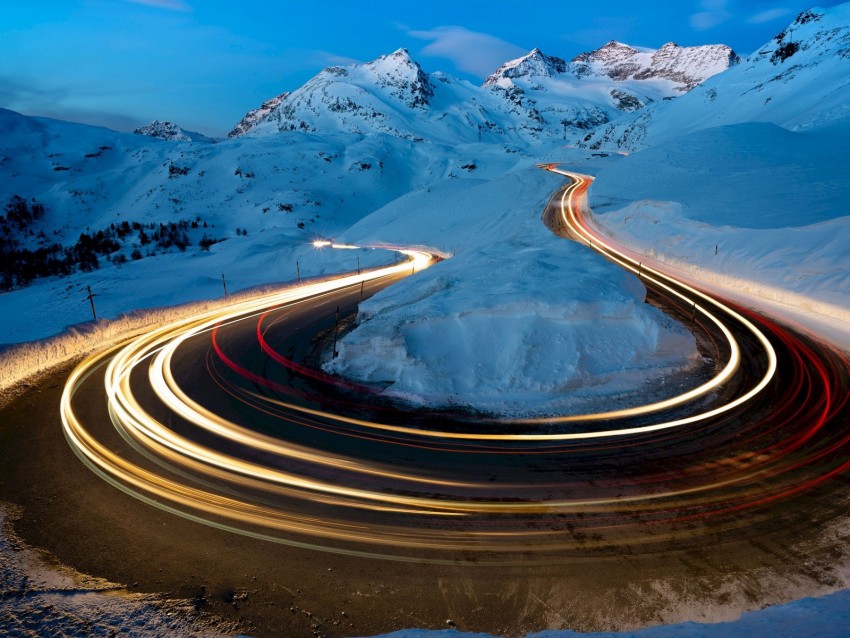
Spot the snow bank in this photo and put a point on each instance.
(751, 207)
(517, 321)
(810, 617)
(23, 361)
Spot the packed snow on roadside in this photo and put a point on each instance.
(753, 207)
(518, 321)
(824, 617)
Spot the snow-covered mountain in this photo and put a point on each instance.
(546, 93)
(534, 64)
(390, 95)
(531, 98)
(171, 132)
(799, 80)
(685, 66)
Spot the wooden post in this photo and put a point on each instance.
(91, 297)
(336, 331)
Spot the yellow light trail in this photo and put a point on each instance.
(244, 504)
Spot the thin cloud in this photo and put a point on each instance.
(714, 13)
(30, 96)
(604, 28)
(768, 15)
(327, 57)
(471, 52)
(173, 5)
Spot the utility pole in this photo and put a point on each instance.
(361, 289)
(224, 283)
(336, 331)
(90, 298)
(298, 271)
(358, 265)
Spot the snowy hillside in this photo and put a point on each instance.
(171, 132)
(799, 80)
(171, 217)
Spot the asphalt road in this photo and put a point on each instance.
(502, 526)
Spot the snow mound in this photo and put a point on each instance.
(518, 322)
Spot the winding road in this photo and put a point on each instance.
(227, 419)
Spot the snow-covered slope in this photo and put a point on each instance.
(799, 80)
(171, 132)
(261, 199)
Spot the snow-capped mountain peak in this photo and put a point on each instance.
(533, 64)
(812, 29)
(403, 76)
(171, 132)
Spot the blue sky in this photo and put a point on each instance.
(204, 63)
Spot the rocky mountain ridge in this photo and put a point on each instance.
(799, 80)
(685, 66)
(256, 116)
(171, 132)
(534, 97)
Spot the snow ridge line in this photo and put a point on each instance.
(751, 289)
(699, 276)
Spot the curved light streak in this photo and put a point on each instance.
(267, 487)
